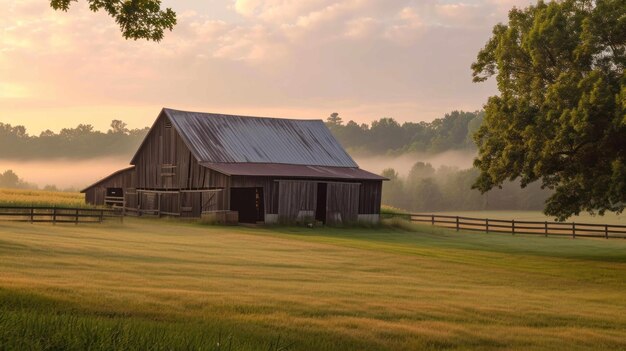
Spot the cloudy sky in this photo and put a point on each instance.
(365, 59)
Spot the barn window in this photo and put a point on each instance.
(168, 124)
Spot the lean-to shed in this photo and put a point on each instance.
(264, 169)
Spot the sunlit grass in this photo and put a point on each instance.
(186, 286)
(16, 197)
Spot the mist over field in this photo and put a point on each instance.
(461, 159)
(64, 173)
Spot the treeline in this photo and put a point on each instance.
(81, 142)
(386, 136)
(428, 189)
(10, 180)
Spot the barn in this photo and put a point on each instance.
(253, 169)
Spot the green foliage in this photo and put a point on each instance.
(138, 19)
(387, 136)
(560, 117)
(80, 142)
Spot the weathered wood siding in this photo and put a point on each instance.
(370, 197)
(95, 194)
(342, 204)
(165, 162)
(295, 196)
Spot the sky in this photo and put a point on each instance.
(365, 59)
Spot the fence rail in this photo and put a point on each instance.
(513, 227)
(41, 214)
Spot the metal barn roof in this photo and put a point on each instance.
(292, 171)
(217, 138)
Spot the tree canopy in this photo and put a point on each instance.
(560, 115)
(138, 19)
(387, 136)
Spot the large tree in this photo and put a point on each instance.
(138, 19)
(560, 116)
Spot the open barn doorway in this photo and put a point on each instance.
(249, 203)
(320, 207)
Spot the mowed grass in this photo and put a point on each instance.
(163, 285)
(18, 197)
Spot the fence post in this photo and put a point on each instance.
(573, 230)
(432, 219)
(457, 223)
(101, 215)
(487, 225)
(54, 215)
(546, 229)
(606, 231)
(76, 219)
(513, 227)
(32, 215)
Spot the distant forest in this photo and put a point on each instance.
(387, 136)
(384, 136)
(427, 189)
(82, 142)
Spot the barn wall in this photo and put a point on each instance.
(294, 198)
(165, 162)
(95, 194)
(286, 198)
(370, 196)
(342, 203)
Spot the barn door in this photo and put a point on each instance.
(342, 203)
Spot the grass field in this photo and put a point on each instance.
(17, 197)
(160, 285)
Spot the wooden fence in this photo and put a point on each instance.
(36, 214)
(514, 227)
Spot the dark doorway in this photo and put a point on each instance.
(115, 192)
(320, 207)
(249, 203)
(114, 196)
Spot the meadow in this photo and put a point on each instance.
(167, 285)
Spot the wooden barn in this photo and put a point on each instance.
(250, 168)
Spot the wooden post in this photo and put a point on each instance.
(513, 227)
(573, 230)
(487, 225)
(123, 207)
(546, 229)
(76, 219)
(432, 219)
(606, 231)
(101, 215)
(54, 215)
(159, 204)
(32, 215)
(457, 223)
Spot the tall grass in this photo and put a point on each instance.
(17, 197)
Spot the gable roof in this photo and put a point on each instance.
(218, 138)
(116, 173)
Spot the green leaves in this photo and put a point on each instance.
(559, 117)
(138, 19)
